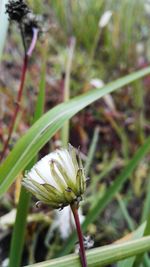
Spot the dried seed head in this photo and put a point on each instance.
(28, 23)
(17, 10)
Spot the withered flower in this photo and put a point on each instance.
(17, 10)
(58, 179)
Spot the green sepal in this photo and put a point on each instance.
(50, 195)
(72, 152)
(38, 193)
(69, 195)
(79, 182)
(58, 195)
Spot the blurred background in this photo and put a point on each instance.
(106, 40)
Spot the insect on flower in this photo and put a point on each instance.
(58, 179)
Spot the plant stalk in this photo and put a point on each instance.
(80, 235)
(18, 100)
(66, 89)
(20, 91)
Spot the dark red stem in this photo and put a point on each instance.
(80, 235)
(20, 91)
(18, 100)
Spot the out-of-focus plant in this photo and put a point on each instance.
(19, 12)
(4, 25)
(102, 35)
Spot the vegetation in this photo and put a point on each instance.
(81, 77)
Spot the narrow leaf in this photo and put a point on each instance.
(35, 138)
(101, 256)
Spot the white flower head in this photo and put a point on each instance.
(58, 179)
(105, 18)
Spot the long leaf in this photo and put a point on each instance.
(101, 256)
(137, 234)
(35, 138)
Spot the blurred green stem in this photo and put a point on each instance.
(17, 240)
(138, 94)
(140, 258)
(92, 149)
(65, 129)
(125, 213)
(146, 203)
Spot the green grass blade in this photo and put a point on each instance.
(66, 90)
(102, 202)
(101, 256)
(136, 234)
(92, 150)
(139, 258)
(124, 211)
(146, 203)
(39, 108)
(17, 241)
(35, 138)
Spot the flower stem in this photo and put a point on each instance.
(18, 100)
(20, 91)
(80, 235)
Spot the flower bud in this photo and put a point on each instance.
(58, 179)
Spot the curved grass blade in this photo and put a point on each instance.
(35, 138)
(101, 256)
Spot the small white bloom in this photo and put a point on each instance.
(58, 179)
(105, 18)
(97, 83)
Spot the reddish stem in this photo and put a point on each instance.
(80, 235)
(20, 91)
(18, 100)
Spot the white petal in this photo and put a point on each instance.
(66, 162)
(41, 171)
(44, 176)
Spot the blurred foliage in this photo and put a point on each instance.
(104, 54)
